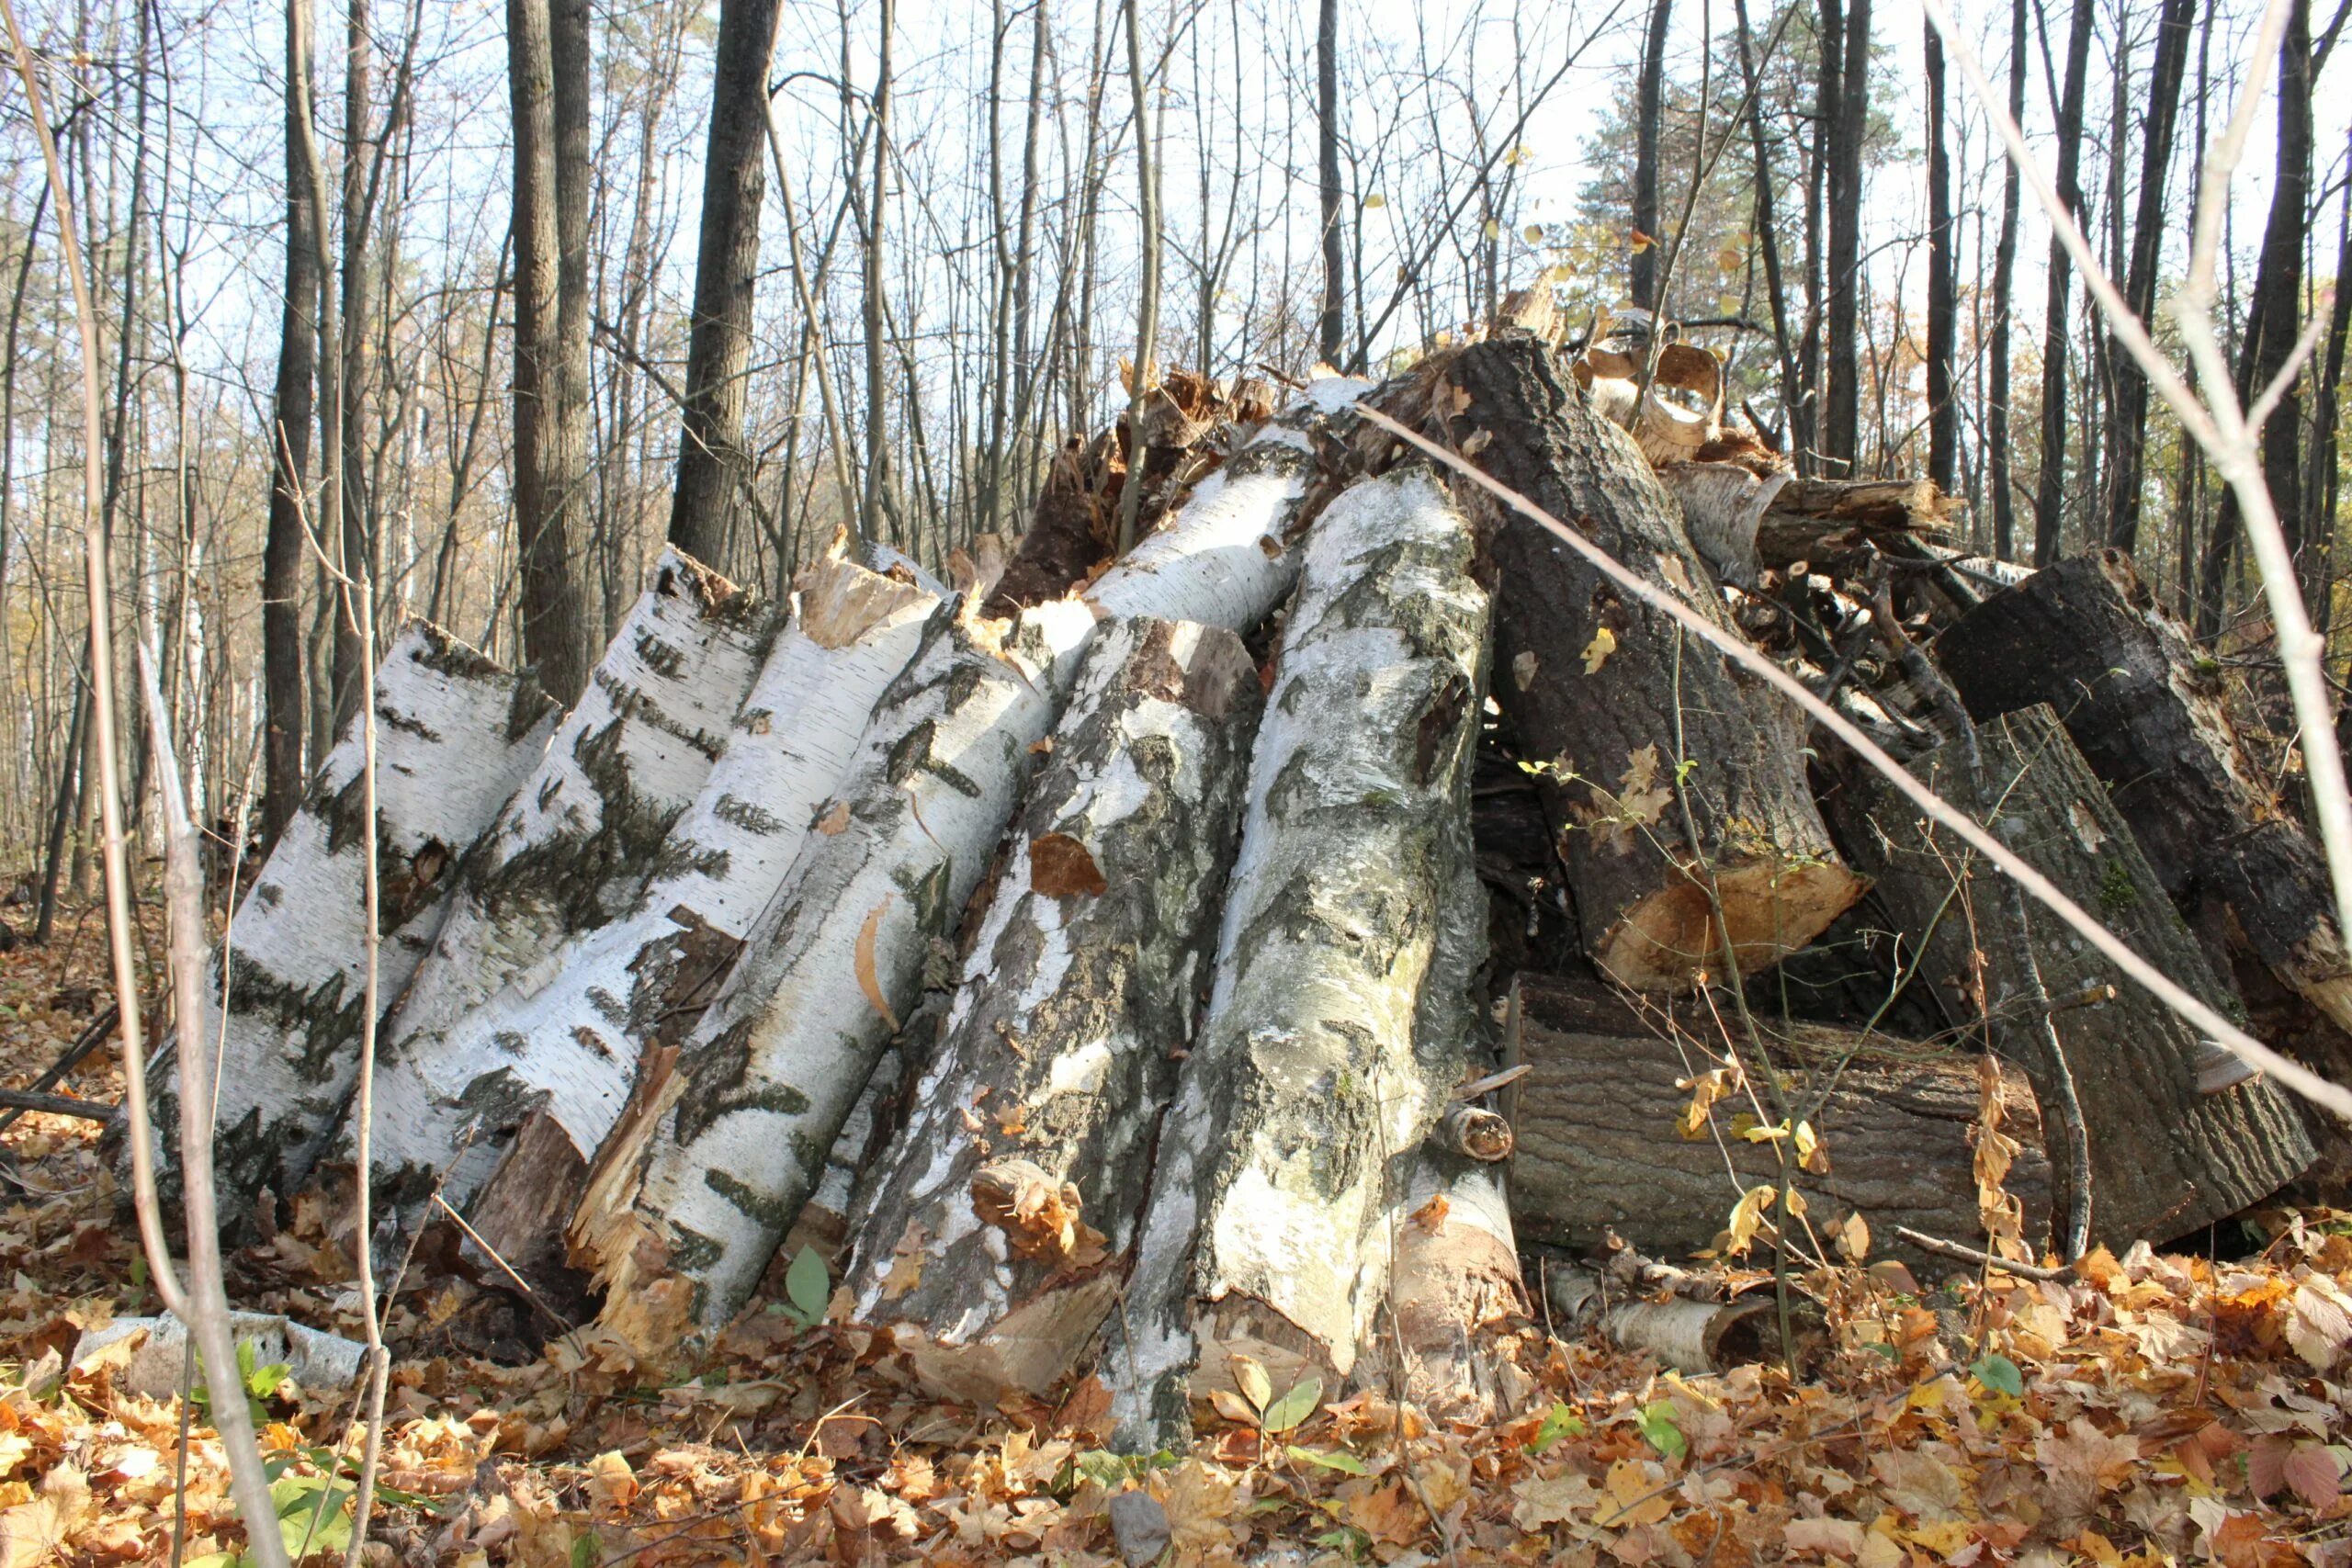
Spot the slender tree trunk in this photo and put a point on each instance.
(2005, 272)
(2126, 419)
(1943, 284)
(286, 720)
(877, 426)
(1331, 328)
(2050, 493)
(1767, 238)
(547, 451)
(1146, 377)
(1842, 406)
(351, 432)
(713, 464)
(1649, 105)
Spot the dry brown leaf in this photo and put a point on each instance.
(1061, 867)
(869, 979)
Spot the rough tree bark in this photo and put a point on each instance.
(1943, 283)
(2164, 1158)
(456, 735)
(713, 1159)
(1311, 1074)
(992, 1238)
(1648, 106)
(1842, 397)
(714, 467)
(1590, 683)
(566, 1036)
(2005, 271)
(2049, 490)
(572, 851)
(1597, 1114)
(2088, 637)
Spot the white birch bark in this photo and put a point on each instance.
(456, 736)
(567, 1034)
(1091, 964)
(1317, 1067)
(573, 849)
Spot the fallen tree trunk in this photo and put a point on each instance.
(572, 850)
(1450, 1258)
(1605, 697)
(1311, 1070)
(1598, 1116)
(2087, 637)
(713, 1163)
(2164, 1158)
(566, 1037)
(455, 736)
(992, 1237)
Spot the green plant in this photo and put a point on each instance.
(807, 1286)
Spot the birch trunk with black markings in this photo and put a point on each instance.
(572, 851)
(1313, 1073)
(1601, 1147)
(566, 1036)
(992, 1239)
(456, 735)
(2164, 1159)
(1605, 698)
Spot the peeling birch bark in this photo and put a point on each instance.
(566, 1036)
(1315, 1067)
(1077, 999)
(455, 736)
(688, 1202)
(1452, 1271)
(572, 850)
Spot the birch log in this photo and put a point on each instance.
(455, 736)
(1312, 1071)
(567, 1034)
(993, 1236)
(1606, 692)
(715, 1159)
(572, 850)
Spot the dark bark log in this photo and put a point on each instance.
(2164, 1159)
(1842, 399)
(1335, 1033)
(1597, 1122)
(1821, 520)
(1648, 104)
(1607, 713)
(1943, 284)
(2049, 492)
(714, 466)
(1091, 964)
(1331, 324)
(282, 551)
(2088, 637)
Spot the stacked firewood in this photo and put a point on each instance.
(1244, 946)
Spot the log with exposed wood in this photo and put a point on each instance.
(715, 1154)
(455, 736)
(2164, 1159)
(1312, 1071)
(2087, 637)
(995, 1234)
(561, 1045)
(1605, 697)
(1605, 1145)
(572, 850)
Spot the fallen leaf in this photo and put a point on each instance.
(1597, 651)
(1920, 1484)
(1538, 1501)
(1831, 1538)
(1061, 867)
(869, 979)
(1431, 1216)
(2319, 1324)
(2311, 1470)
(1636, 1496)
(1522, 669)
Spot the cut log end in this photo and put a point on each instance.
(1772, 909)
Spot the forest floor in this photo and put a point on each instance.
(2149, 1410)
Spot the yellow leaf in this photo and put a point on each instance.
(1639, 242)
(1811, 1153)
(1630, 1487)
(869, 979)
(1747, 1218)
(1597, 651)
(1492, 229)
(1854, 1238)
(1233, 1407)
(1250, 1377)
(1374, 201)
(1535, 233)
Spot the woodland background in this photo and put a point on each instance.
(495, 299)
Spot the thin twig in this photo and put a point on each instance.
(1955, 1250)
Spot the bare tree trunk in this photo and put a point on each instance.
(548, 455)
(878, 427)
(1648, 109)
(352, 349)
(1841, 420)
(1330, 329)
(2050, 493)
(286, 720)
(1943, 284)
(2005, 269)
(714, 465)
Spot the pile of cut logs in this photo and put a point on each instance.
(1253, 942)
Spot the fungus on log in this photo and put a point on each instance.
(1313, 1070)
(567, 1036)
(1605, 1145)
(455, 735)
(993, 1236)
(1605, 696)
(2164, 1159)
